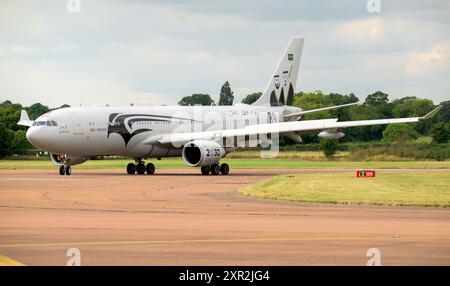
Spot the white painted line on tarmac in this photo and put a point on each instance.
(36, 179)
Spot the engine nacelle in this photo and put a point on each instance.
(58, 159)
(331, 134)
(199, 153)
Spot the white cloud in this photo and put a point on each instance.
(121, 51)
(14, 50)
(359, 32)
(31, 83)
(434, 60)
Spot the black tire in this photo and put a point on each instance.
(62, 170)
(205, 170)
(150, 168)
(140, 168)
(68, 170)
(224, 169)
(131, 169)
(215, 169)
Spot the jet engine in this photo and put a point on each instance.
(199, 153)
(59, 159)
(331, 134)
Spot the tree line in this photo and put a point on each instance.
(375, 106)
(12, 136)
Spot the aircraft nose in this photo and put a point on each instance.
(36, 137)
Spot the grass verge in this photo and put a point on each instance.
(388, 189)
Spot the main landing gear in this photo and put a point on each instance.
(140, 168)
(216, 169)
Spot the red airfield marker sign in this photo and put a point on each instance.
(365, 173)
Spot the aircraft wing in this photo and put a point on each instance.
(295, 116)
(281, 127)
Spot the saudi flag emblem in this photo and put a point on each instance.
(290, 57)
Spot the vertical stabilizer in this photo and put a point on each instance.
(280, 89)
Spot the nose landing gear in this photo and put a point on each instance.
(65, 170)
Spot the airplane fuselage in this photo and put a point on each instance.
(90, 131)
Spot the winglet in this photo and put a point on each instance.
(432, 112)
(24, 119)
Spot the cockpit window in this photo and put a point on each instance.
(38, 123)
(47, 123)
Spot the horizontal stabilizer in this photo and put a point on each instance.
(432, 112)
(305, 112)
(24, 119)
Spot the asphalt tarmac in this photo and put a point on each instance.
(178, 217)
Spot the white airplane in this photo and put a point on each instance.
(200, 135)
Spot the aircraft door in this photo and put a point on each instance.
(77, 125)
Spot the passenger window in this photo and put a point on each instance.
(48, 123)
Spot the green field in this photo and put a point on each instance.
(234, 163)
(392, 189)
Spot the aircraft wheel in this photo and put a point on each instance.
(150, 168)
(68, 170)
(215, 169)
(224, 169)
(140, 168)
(205, 170)
(131, 169)
(62, 170)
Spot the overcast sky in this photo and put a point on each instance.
(155, 52)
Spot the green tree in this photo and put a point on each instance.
(226, 94)
(339, 99)
(376, 98)
(329, 147)
(19, 142)
(251, 98)
(6, 136)
(36, 110)
(313, 100)
(9, 115)
(399, 133)
(444, 113)
(412, 106)
(441, 132)
(196, 99)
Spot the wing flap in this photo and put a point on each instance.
(294, 116)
